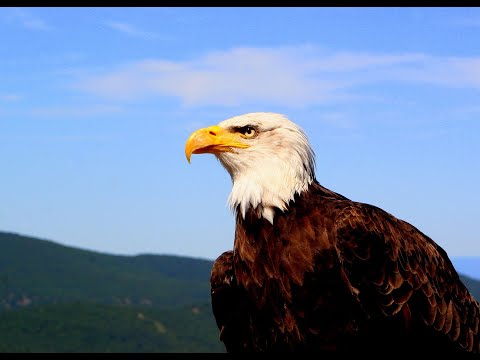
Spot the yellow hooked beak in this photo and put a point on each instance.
(213, 139)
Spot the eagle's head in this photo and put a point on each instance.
(267, 156)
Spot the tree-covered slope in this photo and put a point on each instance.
(40, 271)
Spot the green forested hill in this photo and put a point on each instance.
(39, 271)
(55, 298)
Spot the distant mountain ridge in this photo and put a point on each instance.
(41, 271)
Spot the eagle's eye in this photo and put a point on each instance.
(248, 132)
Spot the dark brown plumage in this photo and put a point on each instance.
(335, 275)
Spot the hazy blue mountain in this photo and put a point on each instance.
(468, 265)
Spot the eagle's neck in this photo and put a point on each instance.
(260, 251)
(270, 184)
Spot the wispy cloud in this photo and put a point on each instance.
(294, 76)
(132, 30)
(338, 119)
(30, 21)
(466, 21)
(75, 111)
(10, 97)
(471, 110)
(60, 138)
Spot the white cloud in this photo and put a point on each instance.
(10, 97)
(293, 76)
(131, 30)
(468, 110)
(446, 71)
(30, 21)
(338, 119)
(467, 21)
(75, 111)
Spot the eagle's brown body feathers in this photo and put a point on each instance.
(336, 275)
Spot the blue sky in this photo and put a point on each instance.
(96, 105)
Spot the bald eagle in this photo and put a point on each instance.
(312, 270)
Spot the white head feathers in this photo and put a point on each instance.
(278, 164)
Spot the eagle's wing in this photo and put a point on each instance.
(229, 304)
(395, 270)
